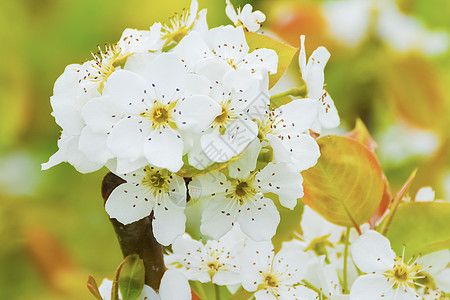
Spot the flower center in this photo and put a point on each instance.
(161, 115)
(158, 180)
(269, 125)
(226, 116)
(104, 63)
(271, 281)
(402, 274)
(243, 189)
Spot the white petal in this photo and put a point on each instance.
(169, 218)
(436, 261)
(227, 277)
(128, 136)
(231, 13)
(328, 115)
(224, 38)
(297, 115)
(128, 91)
(242, 167)
(100, 114)
(167, 77)
(208, 185)
(192, 48)
(148, 294)
(292, 264)
(259, 219)
(174, 286)
(278, 179)
(371, 287)
(105, 289)
(301, 292)
(195, 113)
(237, 136)
(218, 216)
(302, 56)
(129, 203)
(169, 221)
(314, 75)
(164, 149)
(315, 226)
(264, 60)
(372, 253)
(301, 151)
(93, 145)
(425, 194)
(264, 295)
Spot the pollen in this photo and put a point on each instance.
(161, 115)
(157, 180)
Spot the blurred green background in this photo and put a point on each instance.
(53, 228)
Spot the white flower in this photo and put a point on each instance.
(388, 276)
(72, 90)
(245, 17)
(229, 44)
(425, 194)
(284, 129)
(274, 276)
(240, 199)
(436, 270)
(180, 24)
(151, 190)
(242, 98)
(173, 286)
(142, 116)
(318, 234)
(216, 261)
(324, 277)
(313, 75)
(140, 41)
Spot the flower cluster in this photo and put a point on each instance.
(183, 111)
(185, 116)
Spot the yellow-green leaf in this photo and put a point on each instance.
(284, 51)
(346, 185)
(131, 278)
(361, 134)
(190, 171)
(93, 288)
(423, 227)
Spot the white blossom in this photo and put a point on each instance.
(151, 190)
(142, 116)
(173, 286)
(313, 75)
(388, 276)
(240, 199)
(216, 261)
(229, 44)
(285, 129)
(274, 276)
(245, 17)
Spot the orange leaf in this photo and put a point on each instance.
(346, 185)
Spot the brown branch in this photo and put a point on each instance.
(137, 238)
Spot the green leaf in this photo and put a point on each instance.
(190, 171)
(93, 288)
(131, 278)
(423, 227)
(284, 51)
(346, 185)
(241, 294)
(289, 221)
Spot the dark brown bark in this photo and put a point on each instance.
(137, 238)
